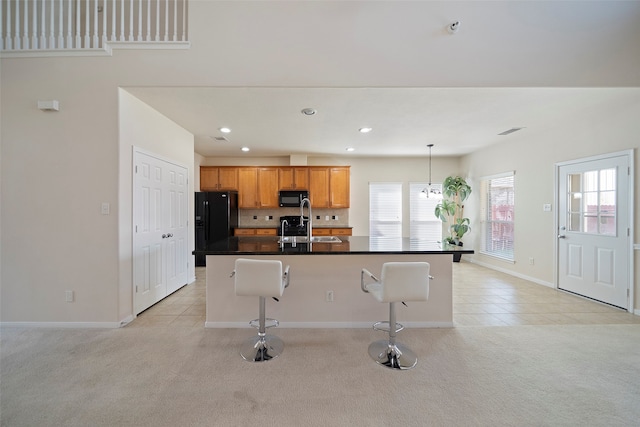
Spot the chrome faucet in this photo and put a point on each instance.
(310, 224)
(284, 221)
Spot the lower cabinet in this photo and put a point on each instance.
(255, 232)
(332, 231)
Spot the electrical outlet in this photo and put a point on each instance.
(531, 261)
(329, 296)
(326, 217)
(68, 296)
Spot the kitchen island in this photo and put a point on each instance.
(324, 290)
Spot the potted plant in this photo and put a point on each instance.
(455, 191)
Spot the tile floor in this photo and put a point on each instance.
(481, 297)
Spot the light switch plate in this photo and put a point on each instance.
(106, 208)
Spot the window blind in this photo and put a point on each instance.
(385, 209)
(497, 215)
(424, 224)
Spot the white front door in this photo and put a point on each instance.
(594, 228)
(160, 229)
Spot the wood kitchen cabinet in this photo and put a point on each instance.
(218, 178)
(329, 187)
(319, 187)
(337, 231)
(255, 232)
(257, 187)
(339, 187)
(293, 178)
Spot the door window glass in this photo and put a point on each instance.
(592, 202)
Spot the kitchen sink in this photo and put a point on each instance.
(314, 239)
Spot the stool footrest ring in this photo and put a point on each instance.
(268, 323)
(386, 327)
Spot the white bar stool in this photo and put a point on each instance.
(261, 278)
(400, 282)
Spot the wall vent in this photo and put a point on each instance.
(512, 130)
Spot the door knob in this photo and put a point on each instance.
(164, 236)
(561, 236)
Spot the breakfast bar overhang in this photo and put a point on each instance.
(324, 290)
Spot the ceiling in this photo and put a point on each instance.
(532, 65)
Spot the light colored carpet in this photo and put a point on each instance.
(555, 375)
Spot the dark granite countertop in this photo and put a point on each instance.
(268, 245)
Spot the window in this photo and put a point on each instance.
(592, 201)
(497, 215)
(424, 225)
(385, 209)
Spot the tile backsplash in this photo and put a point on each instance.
(271, 217)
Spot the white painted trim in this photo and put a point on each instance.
(149, 45)
(64, 325)
(326, 325)
(512, 273)
(107, 50)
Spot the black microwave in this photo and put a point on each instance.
(292, 198)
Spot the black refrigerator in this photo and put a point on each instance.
(216, 217)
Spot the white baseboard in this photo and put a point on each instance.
(64, 325)
(326, 325)
(513, 273)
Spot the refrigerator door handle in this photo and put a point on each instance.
(206, 220)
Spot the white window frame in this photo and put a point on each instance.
(502, 244)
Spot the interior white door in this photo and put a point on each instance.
(176, 227)
(593, 229)
(160, 229)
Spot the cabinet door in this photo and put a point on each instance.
(266, 232)
(301, 178)
(248, 188)
(244, 231)
(286, 180)
(341, 231)
(268, 187)
(319, 187)
(208, 178)
(227, 178)
(339, 187)
(293, 178)
(322, 232)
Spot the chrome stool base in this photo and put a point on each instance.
(262, 348)
(393, 356)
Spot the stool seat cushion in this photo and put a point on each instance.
(255, 277)
(402, 281)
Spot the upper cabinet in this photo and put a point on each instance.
(217, 178)
(329, 187)
(339, 187)
(293, 178)
(258, 187)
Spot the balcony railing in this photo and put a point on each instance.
(67, 27)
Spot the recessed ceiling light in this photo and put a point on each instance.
(308, 111)
(365, 130)
(224, 130)
(245, 149)
(351, 149)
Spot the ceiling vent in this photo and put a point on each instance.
(512, 130)
(220, 138)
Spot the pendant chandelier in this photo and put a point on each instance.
(429, 191)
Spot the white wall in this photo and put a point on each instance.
(533, 157)
(59, 167)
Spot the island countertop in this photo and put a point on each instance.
(268, 245)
